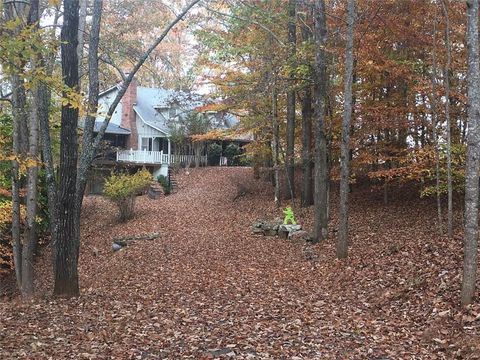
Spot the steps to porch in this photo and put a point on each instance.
(155, 190)
(172, 181)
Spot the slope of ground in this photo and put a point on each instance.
(208, 288)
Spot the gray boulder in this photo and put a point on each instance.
(116, 247)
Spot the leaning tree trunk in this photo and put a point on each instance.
(342, 244)
(93, 92)
(473, 157)
(67, 245)
(321, 171)
(290, 153)
(82, 20)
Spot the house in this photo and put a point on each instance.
(139, 130)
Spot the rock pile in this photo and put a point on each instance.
(277, 228)
(266, 228)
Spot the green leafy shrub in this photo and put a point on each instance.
(163, 180)
(232, 153)
(214, 151)
(123, 188)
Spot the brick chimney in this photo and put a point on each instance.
(129, 99)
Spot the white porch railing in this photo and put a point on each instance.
(140, 156)
(185, 159)
(156, 157)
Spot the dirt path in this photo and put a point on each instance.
(208, 288)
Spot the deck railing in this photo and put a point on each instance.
(186, 159)
(156, 157)
(140, 156)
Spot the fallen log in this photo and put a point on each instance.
(151, 236)
(121, 242)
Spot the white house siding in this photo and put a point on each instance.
(103, 105)
(145, 130)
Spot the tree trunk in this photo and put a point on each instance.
(196, 149)
(20, 118)
(342, 244)
(82, 19)
(446, 75)
(30, 234)
(290, 153)
(321, 180)
(67, 245)
(20, 143)
(275, 148)
(66, 232)
(307, 114)
(93, 91)
(433, 102)
(473, 157)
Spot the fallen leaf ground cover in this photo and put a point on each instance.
(208, 288)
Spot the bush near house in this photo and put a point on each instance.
(232, 153)
(163, 180)
(214, 151)
(123, 188)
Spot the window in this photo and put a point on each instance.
(147, 144)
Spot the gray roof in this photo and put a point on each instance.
(111, 129)
(148, 100)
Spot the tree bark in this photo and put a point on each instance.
(275, 147)
(433, 107)
(93, 92)
(290, 153)
(321, 180)
(30, 233)
(20, 117)
(473, 157)
(20, 144)
(67, 245)
(82, 19)
(446, 75)
(342, 244)
(307, 114)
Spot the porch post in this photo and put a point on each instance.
(169, 148)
